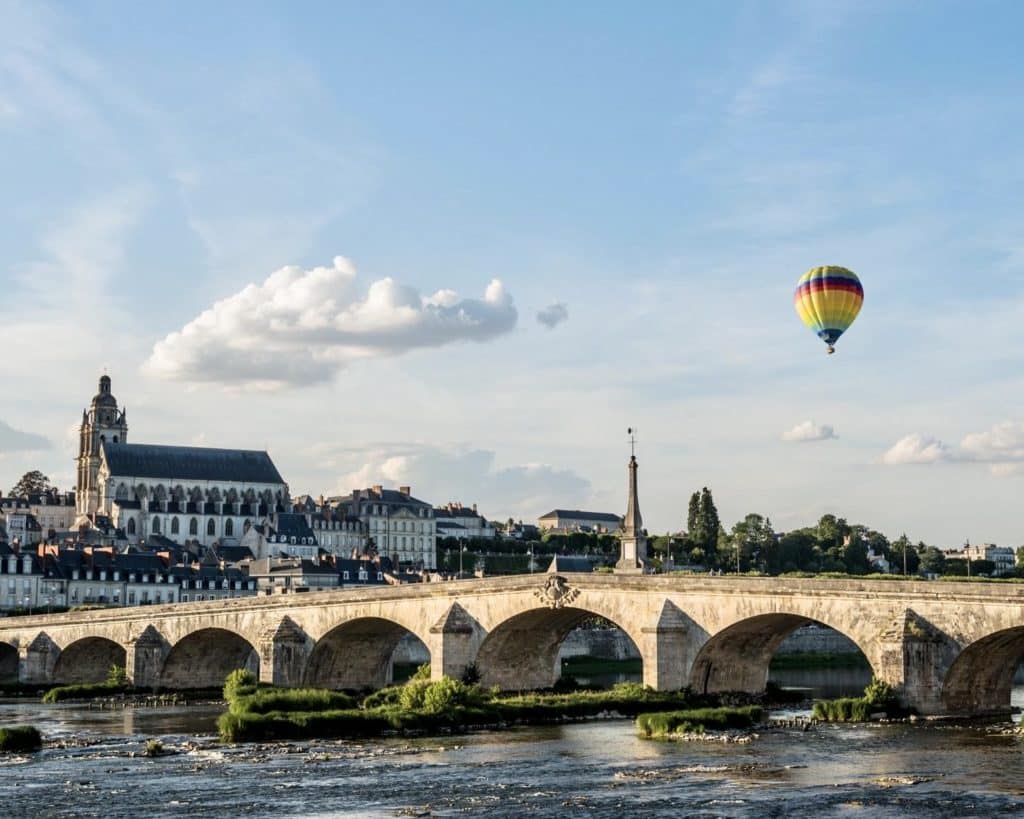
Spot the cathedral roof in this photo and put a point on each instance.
(190, 463)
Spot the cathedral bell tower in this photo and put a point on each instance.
(102, 422)
(633, 543)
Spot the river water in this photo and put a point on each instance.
(92, 767)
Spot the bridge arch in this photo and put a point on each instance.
(88, 661)
(737, 657)
(203, 658)
(980, 679)
(8, 663)
(357, 654)
(522, 651)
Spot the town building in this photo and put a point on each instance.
(462, 522)
(1004, 557)
(397, 524)
(576, 520)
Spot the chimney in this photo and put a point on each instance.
(405, 490)
(474, 508)
(378, 490)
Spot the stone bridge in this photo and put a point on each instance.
(946, 647)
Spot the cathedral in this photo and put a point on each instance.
(183, 493)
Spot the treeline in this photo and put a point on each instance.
(832, 545)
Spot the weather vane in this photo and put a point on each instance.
(631, 431)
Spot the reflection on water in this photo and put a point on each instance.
(598, 769)
(823, 683)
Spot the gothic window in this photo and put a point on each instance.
(131, 526)
(193, 527)
(211, 527)
(229, 528)
(156, 526)
(174, 526)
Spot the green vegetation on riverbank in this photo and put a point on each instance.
(20, 739)
(84, 691)
(665, 724)
(257, 714)
(878, 698)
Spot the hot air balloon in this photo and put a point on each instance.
(828, 299)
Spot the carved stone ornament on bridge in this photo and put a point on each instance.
(556, 593)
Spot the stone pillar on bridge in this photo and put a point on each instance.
(284, 653)
(454, 642)
(37, 660)
(913, 655)
(144, 658)
(669, 649)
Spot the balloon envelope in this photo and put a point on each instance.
(828, 299)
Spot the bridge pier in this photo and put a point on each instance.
(144, 658)
(670, 648)
(454, 642)
(913, 656)
(37, 659)
(284, 653)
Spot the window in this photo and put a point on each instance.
(131, 526)
(229, 528)
(193, 527)
(174, 526)
(211, 527)
(184, 598)
(131, 598)
(344, 575)
(156, 526)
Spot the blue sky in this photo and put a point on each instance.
(665, 172)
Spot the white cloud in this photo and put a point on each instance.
(553, 315)
(438, 475)
(917, 449)
(1001, 447)
(1002, 443)
(303, 326)
(14, 440)
(809, 431)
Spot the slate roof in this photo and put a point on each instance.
(190, 462)
(289, 524)
(569, 563)
(578, 514)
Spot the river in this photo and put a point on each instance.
(598, 769)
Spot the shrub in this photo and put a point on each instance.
(154, 747)
(412, 694)
(391, 695)
(421, 673)
(86, 691)
(446, 694)
(20, 739)
(292, 699)
(697, 720)
(117, 675)
(879, 693)
(239, 683)
(471, 674)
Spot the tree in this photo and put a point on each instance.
(31, 483)
(933, 561)
(706, 523)
(693, 513)
(900, 547)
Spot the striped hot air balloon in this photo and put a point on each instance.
(828, 299)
